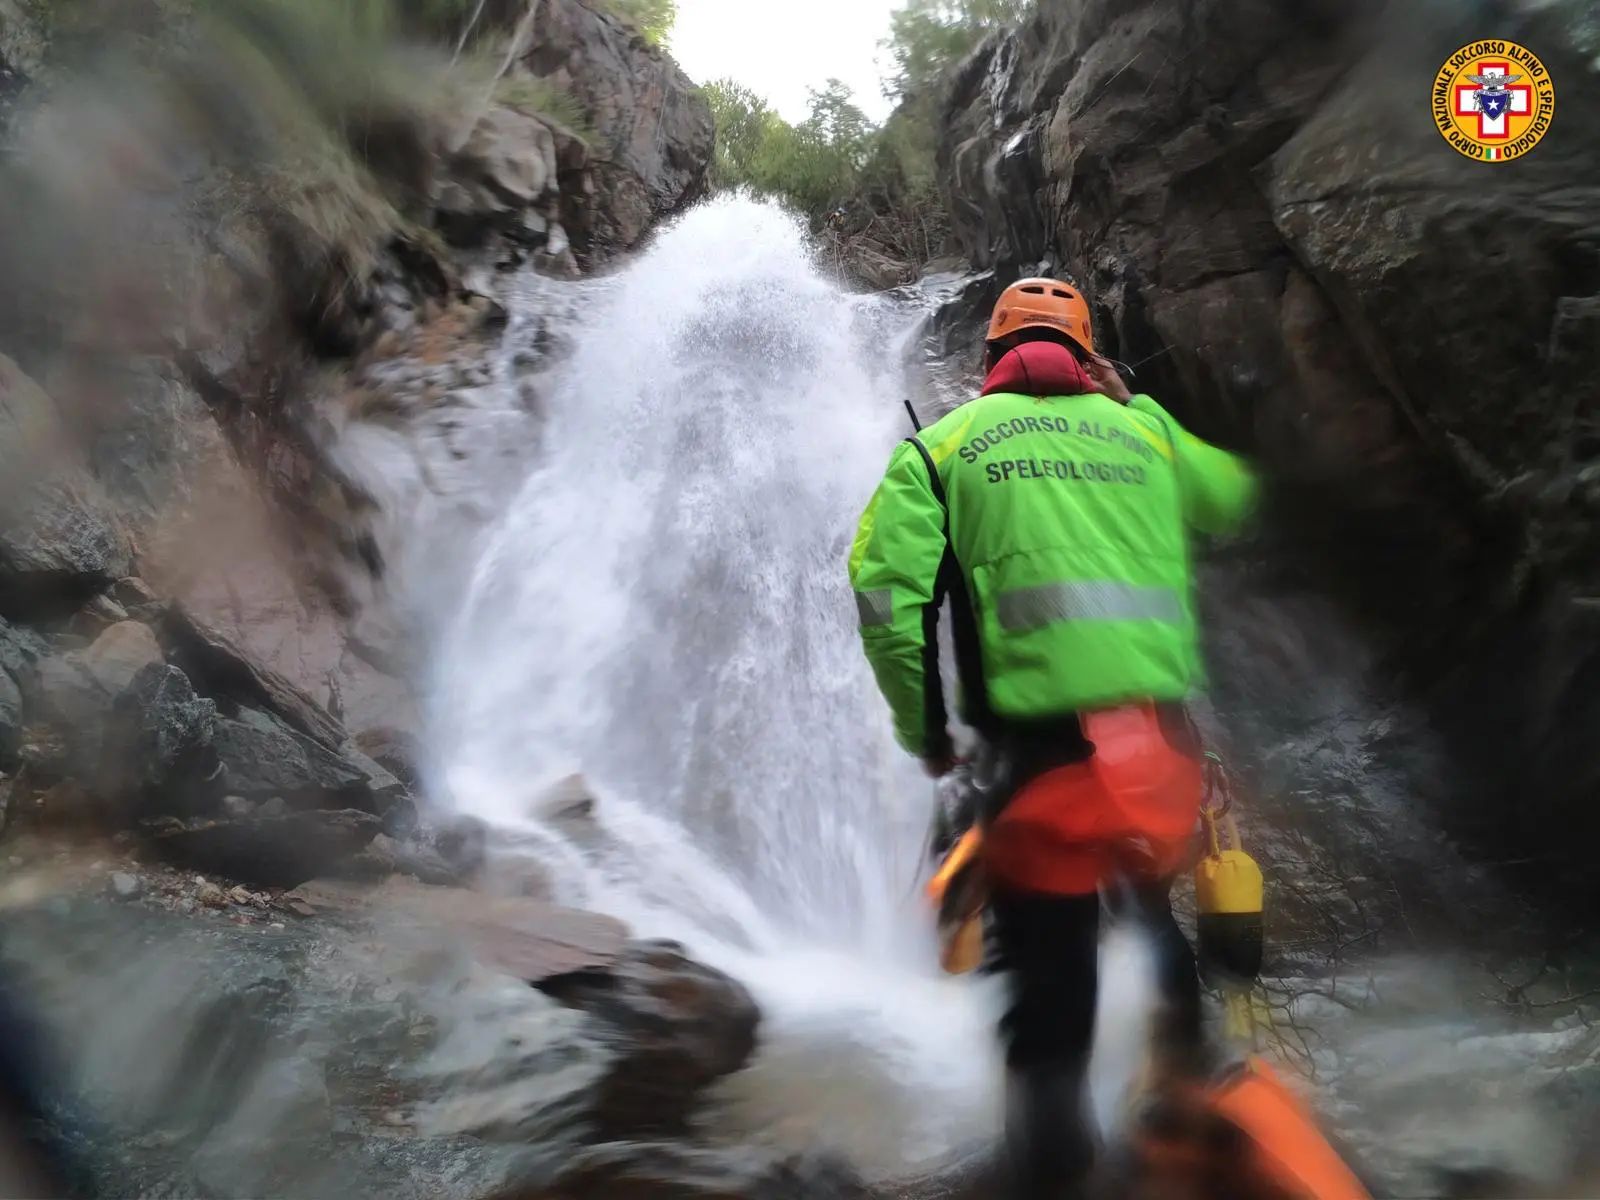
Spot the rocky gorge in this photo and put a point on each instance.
(253, 406)
(211, 784)
(1279, 241)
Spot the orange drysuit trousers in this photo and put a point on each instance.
(1113, 795)
(1130, 807)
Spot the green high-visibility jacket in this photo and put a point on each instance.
(1060, 527)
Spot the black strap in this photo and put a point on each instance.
(949, 581)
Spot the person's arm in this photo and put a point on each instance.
(894, 570)
(1218, 488)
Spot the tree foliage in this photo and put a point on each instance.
(927, 37)
(880, 176)
(810, 165)
(655, 18)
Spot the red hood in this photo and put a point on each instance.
(1039, 369)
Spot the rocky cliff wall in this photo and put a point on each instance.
(232, 256)
(1291, 256)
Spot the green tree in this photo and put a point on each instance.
(811, 165)
(837, 121)
(743, 121)
(655, 18)
(927, 37)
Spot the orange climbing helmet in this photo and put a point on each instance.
(1039, 303)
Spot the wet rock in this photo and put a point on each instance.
(133, 592)
(679, 1026)
(74, 698)
(237, 806)
(656, 124)
(222, 669)
(263, 758)
(98, 615)
(10, 719)
(517, 1069)
(516, 870)
(401, 819)
(395, 750)
(568, 802)
(426, 864)
(20, 652)
(675, 1171)
(505, 164)
(538, 942)
(125, 886)
(463, 843)
(157, 754)
(59, 539)
(265, 851)
(58, 549)
(119, 654)
(386, 790)
(210, 895)
(72, 705)
(289, 1098)
(67, 805)
(376, 862)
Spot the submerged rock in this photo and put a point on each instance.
(677, 1027)
(568, 802)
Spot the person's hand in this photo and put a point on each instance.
(1107, 379)
(937, 766)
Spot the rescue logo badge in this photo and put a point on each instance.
(1493, 100)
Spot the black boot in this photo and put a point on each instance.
(1050, 1138)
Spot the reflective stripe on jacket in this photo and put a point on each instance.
(1059, 527)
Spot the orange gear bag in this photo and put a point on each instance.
(1132, 807)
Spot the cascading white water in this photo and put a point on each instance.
(664, 608)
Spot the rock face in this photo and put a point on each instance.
(59, 539)
(1299, 266)
(657, 131)
(571, 197)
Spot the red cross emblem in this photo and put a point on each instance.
(1493, 126)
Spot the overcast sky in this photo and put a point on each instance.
(779, 50)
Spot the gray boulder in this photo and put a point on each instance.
(262, 757)
(157, 753)
(59, 540)
(265, 848)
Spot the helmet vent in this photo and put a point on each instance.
(1035, 290)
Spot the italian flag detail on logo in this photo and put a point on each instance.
(1491, 153)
